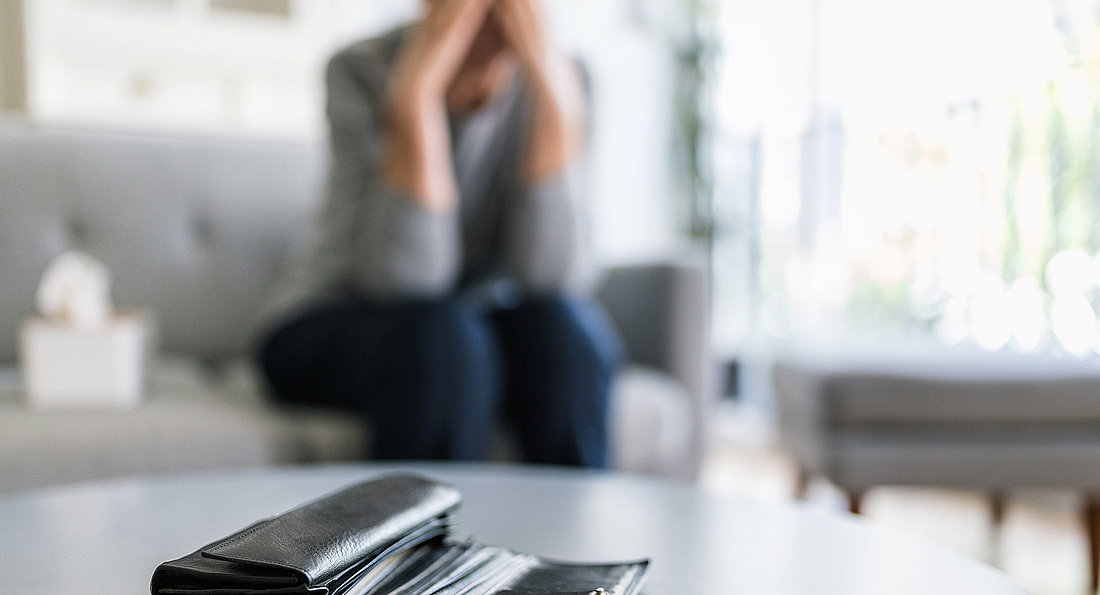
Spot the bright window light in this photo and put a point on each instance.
(929, 167)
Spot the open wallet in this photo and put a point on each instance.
(387, 536)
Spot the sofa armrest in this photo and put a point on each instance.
(661, 311)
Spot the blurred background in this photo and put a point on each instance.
(859, 177)
(923, 169)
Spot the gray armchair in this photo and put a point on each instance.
(197, 231)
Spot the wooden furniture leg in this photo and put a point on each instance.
(855, 501)
(801, 483)
(997, 509)
(1092, 528)
(997, 503)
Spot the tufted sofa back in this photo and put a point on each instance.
(194, 229)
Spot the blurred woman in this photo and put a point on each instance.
(447, 277)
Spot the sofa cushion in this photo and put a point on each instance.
(1039, 457)
(193, 420)
(184, 424)
(877, 398)
(964, 389)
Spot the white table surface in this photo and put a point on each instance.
(107, 537)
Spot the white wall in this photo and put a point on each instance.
(632, 73)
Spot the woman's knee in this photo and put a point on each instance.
(441, 390)
(575, 331)
(450, 333)
(562, 355)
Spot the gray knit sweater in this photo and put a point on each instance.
(371, 241)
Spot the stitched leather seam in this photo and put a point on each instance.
(262, 525)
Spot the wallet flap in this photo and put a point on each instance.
(326, 537)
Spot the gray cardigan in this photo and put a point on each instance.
(370, 241)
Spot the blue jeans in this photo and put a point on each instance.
(435, 376)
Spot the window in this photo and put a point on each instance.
(919, 168)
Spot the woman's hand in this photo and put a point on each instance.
(521, 24)
(437, 47)
(418, 149)
(558, 125)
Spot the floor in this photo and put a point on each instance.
(1042, 544)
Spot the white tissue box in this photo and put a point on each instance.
(68, 367)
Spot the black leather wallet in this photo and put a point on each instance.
(388, 536)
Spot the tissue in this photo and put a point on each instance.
(80, 353)
(76, 290)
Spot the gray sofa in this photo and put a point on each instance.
(197, 230)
